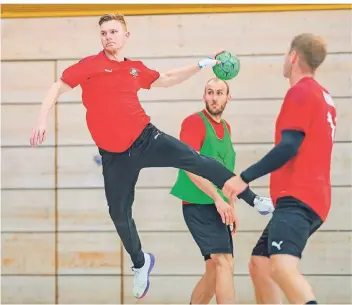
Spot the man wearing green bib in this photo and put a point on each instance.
(204, 205)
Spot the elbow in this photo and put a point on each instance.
(169, 82)
(290, 149)
(162, 83)
(294, 151)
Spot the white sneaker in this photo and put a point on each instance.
(264, 205)
(141, 276)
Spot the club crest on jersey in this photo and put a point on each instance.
(134, 72)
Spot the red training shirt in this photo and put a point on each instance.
(115, 117)
(307, 107)
(193, 131)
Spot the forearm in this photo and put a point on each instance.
(205, 185)
(277, 157)
(179, 75)
(208, 188)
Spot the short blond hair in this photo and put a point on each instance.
(310, 48)
(109, 17)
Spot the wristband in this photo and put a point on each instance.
(207, 62)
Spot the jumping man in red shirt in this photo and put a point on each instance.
(300, 176)
(126, 139)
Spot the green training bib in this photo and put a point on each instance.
(219, 149)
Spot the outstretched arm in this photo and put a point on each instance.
(179, 75)
(295, 119)
(282, 153)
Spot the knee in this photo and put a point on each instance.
(210, 271)
(222, 261)
(253, 267)
(259, 267)
(115, 213)
(119, 216)
(281, 269)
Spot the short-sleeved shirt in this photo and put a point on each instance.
(115, 117)
(309, 108)
(193, 130)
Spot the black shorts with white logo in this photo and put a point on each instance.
(289, 229)
(208, 231)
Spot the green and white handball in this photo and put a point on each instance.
(229, 66)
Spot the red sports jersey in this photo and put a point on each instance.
(193, 131)
(115, 117)
(307, 107)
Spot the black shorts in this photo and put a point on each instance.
(209, 232)
(289, 229)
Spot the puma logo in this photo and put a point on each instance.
(156, 136)
(277, 245)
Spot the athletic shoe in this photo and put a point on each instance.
(141, 276)
(264, 205)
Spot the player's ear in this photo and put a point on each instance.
(293, 56)
(229, 97)
(127, 34)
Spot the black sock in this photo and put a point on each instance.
(140, 263)
(312, 302)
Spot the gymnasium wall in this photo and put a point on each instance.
(58, 243)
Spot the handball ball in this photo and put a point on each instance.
(229, 66)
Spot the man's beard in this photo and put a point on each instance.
(216, 112)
